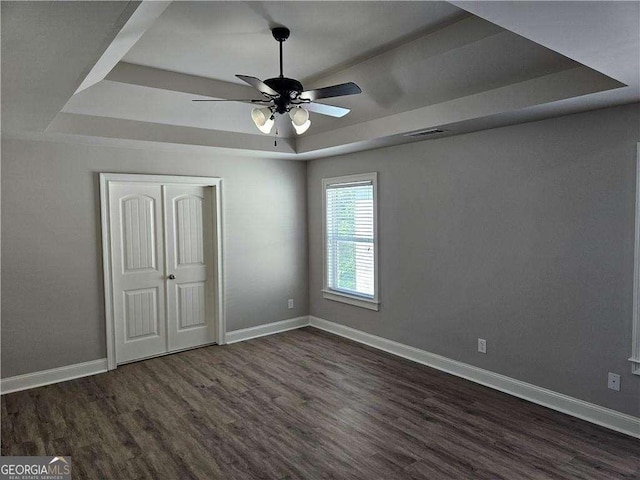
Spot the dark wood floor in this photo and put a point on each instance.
(303, 404)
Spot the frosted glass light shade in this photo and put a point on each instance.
(302, 128)
(263, 119)
(266, 128)
(299, 116)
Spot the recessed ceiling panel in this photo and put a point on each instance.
(220, 39)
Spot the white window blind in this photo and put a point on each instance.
(350, 239)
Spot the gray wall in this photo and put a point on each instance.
(521, 235)
(52, 293)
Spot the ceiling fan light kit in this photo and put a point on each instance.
(287, 95)
(300, 119)
(263, 119)
(300, 129)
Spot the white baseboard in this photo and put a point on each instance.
(590, 412)
(267, 329)
(69, 372)
(55, 375)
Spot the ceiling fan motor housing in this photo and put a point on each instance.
(288, 88)
(280, 33)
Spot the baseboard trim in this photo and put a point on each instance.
(267, 329)
(590, 412)
(78, 370)
(55, 375)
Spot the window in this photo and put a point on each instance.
(350, 240)
(635, 352)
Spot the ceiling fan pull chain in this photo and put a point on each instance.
(275, 139)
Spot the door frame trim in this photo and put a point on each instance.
(105, 180)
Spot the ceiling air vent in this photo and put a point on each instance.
(424, 133)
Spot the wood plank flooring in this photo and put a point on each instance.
(304, 404)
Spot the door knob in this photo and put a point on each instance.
(172, 277)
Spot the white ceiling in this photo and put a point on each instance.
(220, 39)
(47, 50)
(468, 57)
(420, 64)
(604, 35)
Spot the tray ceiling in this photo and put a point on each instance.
(420, 65)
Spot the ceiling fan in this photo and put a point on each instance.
(287, 95)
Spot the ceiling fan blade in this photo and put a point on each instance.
(323, 109)
(247, 100)
(348, 88)
(259, 85)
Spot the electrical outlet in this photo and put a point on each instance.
(290, 303)
(482, 345)
(614, 382)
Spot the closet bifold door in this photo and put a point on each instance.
(138, 271)
(188, 211)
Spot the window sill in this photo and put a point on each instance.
(351, 299)
(635, 365)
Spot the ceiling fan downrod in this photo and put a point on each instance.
(288, 88)
(281, 34)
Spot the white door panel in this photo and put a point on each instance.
(138, 271)
(189, 255)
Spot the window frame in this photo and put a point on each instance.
(337, 295)
(635, 347)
